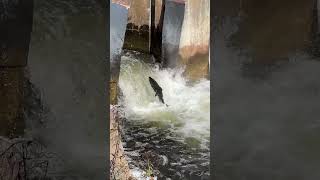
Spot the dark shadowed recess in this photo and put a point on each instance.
(266, 91)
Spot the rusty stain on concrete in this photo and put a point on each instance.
(194, 42)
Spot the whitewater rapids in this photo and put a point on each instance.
(188, 114)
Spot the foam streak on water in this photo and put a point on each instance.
(188, 113)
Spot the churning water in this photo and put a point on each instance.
(179, 134)
(188, 111)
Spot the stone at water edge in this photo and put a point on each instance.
(119, 165)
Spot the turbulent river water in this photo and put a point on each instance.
(175, 139)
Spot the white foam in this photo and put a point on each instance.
(189, 105)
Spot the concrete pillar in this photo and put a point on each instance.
(173, 19)
(16, 25)
(194, 42)
(118, 22)
(137, 36)
(114, 79)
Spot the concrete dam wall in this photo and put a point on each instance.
(173, 19)
(194, 42)
(137, 34)
(176, 33)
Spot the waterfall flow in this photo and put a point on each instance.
(188, 113)
(175, 138)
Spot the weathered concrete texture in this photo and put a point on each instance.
(11, 102)
(119, 168)
(113, 85)
(226, 8)
(25, 159)
(137, 35)
(11, 168)
(173, 19)
(68, 65)
(16, 26)
(114, 78)
(125, 3)
(194, 42)
(272, 29)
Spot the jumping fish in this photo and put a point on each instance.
(157, 89)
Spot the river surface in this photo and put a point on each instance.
(174, 139)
